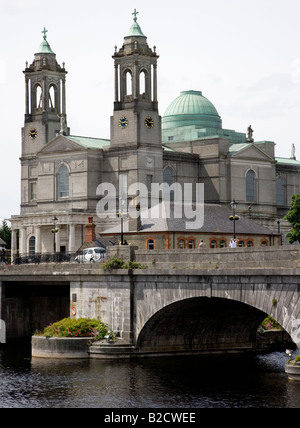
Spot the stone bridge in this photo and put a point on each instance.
(186, 301)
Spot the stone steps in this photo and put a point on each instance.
(106, 350)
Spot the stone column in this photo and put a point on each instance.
(37, 232)
(116, 84)
(27, 95)
(57, 240)
(72, 239)
(23, 247)
(45, 94)
(135, 82)
(14, 248)
(64, 96)
(155, 83)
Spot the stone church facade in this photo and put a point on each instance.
(61, 173)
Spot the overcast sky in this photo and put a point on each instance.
(243, 56)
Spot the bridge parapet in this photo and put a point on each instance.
(229, 258)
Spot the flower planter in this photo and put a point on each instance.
(60, 347)
(293, 371)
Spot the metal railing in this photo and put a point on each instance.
(44, 258)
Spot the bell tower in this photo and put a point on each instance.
(45, 94)
(136, 120)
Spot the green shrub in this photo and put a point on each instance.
(116, 263)
(82, 327)
(270, 324)
(297, 359)
(136, 265)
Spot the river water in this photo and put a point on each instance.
(227, 381)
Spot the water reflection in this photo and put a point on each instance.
(187, 382)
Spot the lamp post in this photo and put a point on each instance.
(54, 231)
(121, 215)
(234, 217)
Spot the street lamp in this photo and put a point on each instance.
(234, 217)
(54, 231)
(122, 201)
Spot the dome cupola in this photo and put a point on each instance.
(191, 108)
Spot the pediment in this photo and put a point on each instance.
(251, 151)
(61, 144)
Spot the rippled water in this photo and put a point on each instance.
(186, 382)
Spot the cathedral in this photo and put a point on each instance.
(61, 173)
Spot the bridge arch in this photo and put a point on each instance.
(201, 324)
(190, 312)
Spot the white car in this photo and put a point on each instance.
(91, 255)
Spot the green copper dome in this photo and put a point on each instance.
(135, 30)
(192, 108)
(44, 46)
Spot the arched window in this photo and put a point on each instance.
(169, 176)
(32, 246)
(169, 179)
(63, 182)
(264, 243)
(181, 244)
(128, 80)
(37, 97)
(52, 98)
(213, 243)
(280, 192)
(143, 84)
(150, 244)
(250, 186)
(192, 243)
(222, 243)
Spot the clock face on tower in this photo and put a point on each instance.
(149, 122)
(123, 122)
(33, 133)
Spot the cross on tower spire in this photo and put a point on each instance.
(45, 33)
(135, 13)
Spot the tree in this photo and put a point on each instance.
(293, 217)
(5, 234)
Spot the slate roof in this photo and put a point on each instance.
(216, 221)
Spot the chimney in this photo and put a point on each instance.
(90, 231)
